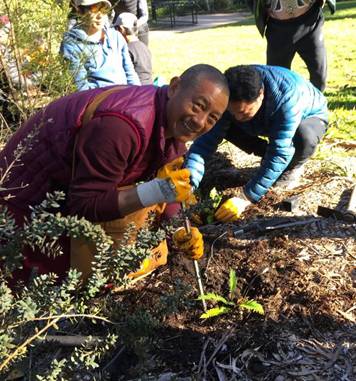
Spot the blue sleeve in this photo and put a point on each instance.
(131, 75)
(280, 150)
(203, 148)
(76, 59)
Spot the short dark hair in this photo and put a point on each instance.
(192, 75)
(245, 83)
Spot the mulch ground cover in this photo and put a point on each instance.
(303, 275)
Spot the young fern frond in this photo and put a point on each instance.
(215, 298)
(228, 304)
(253, 306)
(215, 312)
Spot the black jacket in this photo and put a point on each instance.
(258, 8)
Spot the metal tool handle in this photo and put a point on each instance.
(188, 230)
(200, 283)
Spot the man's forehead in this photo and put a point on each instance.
(206, 87)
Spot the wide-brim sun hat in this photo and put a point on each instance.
(86, 3)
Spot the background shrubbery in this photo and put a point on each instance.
(31, 47)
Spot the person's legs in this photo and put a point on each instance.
(247, 143)
(312, 50)
(280, 48)
(306, 139)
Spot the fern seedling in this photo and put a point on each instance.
(225, 305)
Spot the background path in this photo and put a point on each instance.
(204, 22)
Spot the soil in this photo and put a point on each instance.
(304, 276)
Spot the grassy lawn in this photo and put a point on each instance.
(241, 43)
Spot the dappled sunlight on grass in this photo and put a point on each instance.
(241, 43)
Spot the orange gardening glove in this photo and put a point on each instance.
(192, 200)
(191, 244)
(232, 209)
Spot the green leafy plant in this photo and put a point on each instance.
(203, 212)
(225, 305)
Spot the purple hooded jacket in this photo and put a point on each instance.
(122, 144)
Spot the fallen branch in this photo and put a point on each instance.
(20, 349)
(72, 341)
(64, 316)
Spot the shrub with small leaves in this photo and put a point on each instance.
(45, 305)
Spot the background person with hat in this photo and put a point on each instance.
(97, 53)
(126, 24)
(140, 9)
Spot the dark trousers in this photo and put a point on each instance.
(302, 35)
(305, 141)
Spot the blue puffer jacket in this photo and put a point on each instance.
(98, 64)
(288, 99)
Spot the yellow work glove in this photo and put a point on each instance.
(191, 244)
(180, 178)
(167, 169)
(191, 200)
(172, 184)
(181, 181)
(232, 209)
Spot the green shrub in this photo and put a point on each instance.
(32, 71)
(45, 305)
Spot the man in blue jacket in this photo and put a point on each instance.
(271, 102)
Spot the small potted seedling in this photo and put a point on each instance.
(226, 305)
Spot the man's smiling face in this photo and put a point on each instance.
(193, 109)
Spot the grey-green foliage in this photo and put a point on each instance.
(173, 302)
(87, 357)
(54, 372)
(112, 263)
(47, 302)
(81, 361)
(10, 244)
